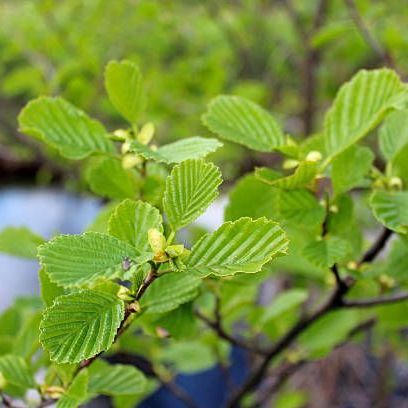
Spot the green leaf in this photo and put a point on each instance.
(301, 208)
(124, 85)
(115, 379)
(76, 393)
(242, 202)
(108, 178)
(48, 289)
(359, 107)
(80, 325)
(190, 189)
(391, 209)
(396, 264)
(350, 167)
(74, 260)
(393, 134)
(64, 127)
(26, 342)
(241, 246)
(170, 291)
(16, 372)
(241, 121)
(20, 241)
(326, 252)
(191, 148)
(304, 174)
(283, 302)
(131, 220)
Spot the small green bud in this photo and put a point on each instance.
(124, 294)
(131, 160)
(146, 133)
(314, 156)
(386, 281)
(173, 251)
(125, 147)
(334, 209)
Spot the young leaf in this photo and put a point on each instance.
(124, 85)
(115, 380)
(191, 148)
(241, 246)
(241, 121)
(391, 209)
(326, 252)
(301, 208)
(359, 107)
(393, 134)
(242, 202)
(170, 291)
(131, 220)
(48, 289)
(64, 127)
(108, 178)
(76, 393)
(190, 189)
(16, 372)
(350, 167)
(80, 325)
(302, 177)
(73, 260)
(20, 241)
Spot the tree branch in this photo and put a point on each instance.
(377, 246)
(378, 301)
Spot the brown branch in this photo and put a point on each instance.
(334, 302)
(377, 301)
(377, 247)
(217, 328)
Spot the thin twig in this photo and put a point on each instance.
(368, 37)
(217, 327)
(376, 248)
(377, 301)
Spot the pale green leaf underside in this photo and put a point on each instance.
(131, 220)
(124, 85)
(302, 176)
(15, 371)
(80, 325)
(108, 178)
(74, 260)
(391, 209)
(20, 241)
(241, 246)
(241, 121)
(359, 107)
(184, 149)
(326, 252)
(301, 208)
(64, 127)
(191, 187)
(350, 167)
(116, 379)
(170, 291)
(242, 203)
(393, 134)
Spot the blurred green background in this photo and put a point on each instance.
(289, 56)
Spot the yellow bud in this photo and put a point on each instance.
(125, 147)
(3, 381)
(173, 251)
(146, 133)
(314, 156)
(158, 244)
(386, 281)
(134, 307)
(352, 265)
(131, 160)
(334, 209)
(330, 280)
(395, 182)
(124, 294)
(121, 134)
(290, 164)
(53, 391)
